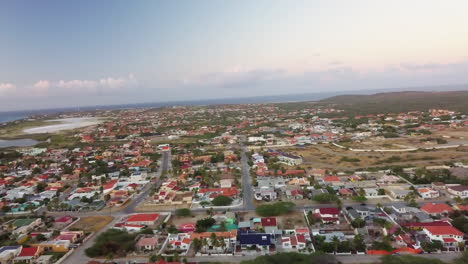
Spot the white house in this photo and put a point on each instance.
(294, 242)
(448, 235)
(427, 193)
(458, 191)
(289, 159)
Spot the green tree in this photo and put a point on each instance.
(221, 200)
(183, 212)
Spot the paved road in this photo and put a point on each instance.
(247, 188)
(349, 259)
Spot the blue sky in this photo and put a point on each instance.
(70, 53)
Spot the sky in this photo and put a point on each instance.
(57, 53)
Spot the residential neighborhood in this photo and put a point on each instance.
(176, 184)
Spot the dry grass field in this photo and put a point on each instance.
(92, 223)
(334, 158)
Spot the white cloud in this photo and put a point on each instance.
(6, 88)
(102, 85)
(41, 86)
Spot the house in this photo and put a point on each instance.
(269, 225)
(448, 235)
(294, 194)
(28, 255)
(398, 193)
(256, 241)
(180, 241)
(146, 244)
(289, 159)
(344, 192)
(22, 225)
(61, 222)
(458, 191)
(143, 219)
(371, 192)
(8, 253)
(427, 193)
(329, 215)
(54, 245)
(268, 194)
(436, 209)
(330, 180)
(293, 242)
(229, 237)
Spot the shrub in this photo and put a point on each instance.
(183, 212)
(275, 209)
(221, 200)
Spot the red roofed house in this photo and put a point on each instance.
(109, 186)
(143, 219)
(28, 254)
(269, 225)
(448, 235)
(63, 221)
(330, 179)
(293, 242)
(329, 215)
(436, 209)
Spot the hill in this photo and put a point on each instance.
(397, 102)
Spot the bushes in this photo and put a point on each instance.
(346, 159)
(203, 224)
(221, 200)
(325, 198)
(275, 209)
(183, 212)
(113, 241)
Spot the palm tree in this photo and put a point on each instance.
(222, 244)
(216, 243)
(335, 242)
(197, 244)
(204, 243)
(213, 239)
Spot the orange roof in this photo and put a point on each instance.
(331, 179)
(143, 218)
(433, 208)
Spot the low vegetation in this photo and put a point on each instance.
(112, 243)
(275, 209)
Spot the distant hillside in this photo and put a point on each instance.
(397, 102)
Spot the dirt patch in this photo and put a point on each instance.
(177, 220)
(143, 207)
(92, 223)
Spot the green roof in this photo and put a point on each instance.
(23, 222)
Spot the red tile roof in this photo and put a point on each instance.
(28, 252)
(444, 230)
(143, 218)
(331, 179)
(433, 208)
(268, 221)
(331, 211)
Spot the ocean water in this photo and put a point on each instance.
(7, 117)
